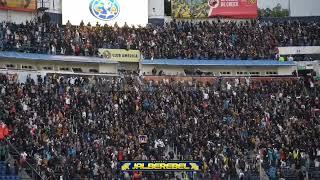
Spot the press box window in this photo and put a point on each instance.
(272, 73)
(9, 65)
(254, 73)
(26, 67)
(93, 71)
(224, 73)
(77, 69)
(64, 69)
(47, 68)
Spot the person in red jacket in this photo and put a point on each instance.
(4, 131)
(136, 176)
(120, 155)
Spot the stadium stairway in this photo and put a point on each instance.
(22, 172)
(169, 149)
(256, 175)
(11, 157)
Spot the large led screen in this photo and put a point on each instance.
(132, 12)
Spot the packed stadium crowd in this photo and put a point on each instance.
(185, 40)
(81, 127)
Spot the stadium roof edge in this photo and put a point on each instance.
(183, 62)
(47, 57)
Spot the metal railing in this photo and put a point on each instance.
(35, 175)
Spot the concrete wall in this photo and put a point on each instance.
(286, 70)
(236, 70)
(221, 71)
(128, 66)
(108, 68)
(57, 65)
(172, 70)
(213, 80)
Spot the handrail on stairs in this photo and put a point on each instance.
(35, 174)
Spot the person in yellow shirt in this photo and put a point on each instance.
(296, 154)
(181, 9)
(205, 167)
(183, 12)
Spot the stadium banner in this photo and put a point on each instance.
(243, 9)
(160, 166)
(18, 5)
(130, 12)
(120, 55)
(294, 50)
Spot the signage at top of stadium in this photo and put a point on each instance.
(110, 12)
(213, 8)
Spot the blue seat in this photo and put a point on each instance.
(8, 177)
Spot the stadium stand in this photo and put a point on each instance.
(81, 127)
(182, 40)
(79, 124)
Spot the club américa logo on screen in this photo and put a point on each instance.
(105, 10)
